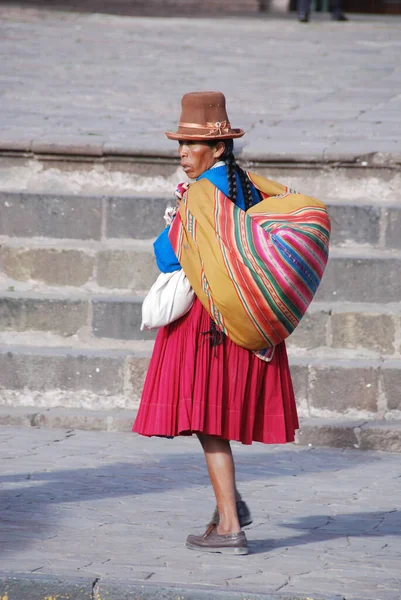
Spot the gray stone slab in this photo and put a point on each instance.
(126, 269)
(72, 503)
(391, 382)
(138, 218)
(378, 435)
(375, 278)
(393, 229)
(114, 103)
(61, 316)
(341, 390)
(50, 216)
(384, 436)
(323, 432)
(61, 371)
(355, 224)
(137, 368)
(312, 330)
(48, 265)
(113, 379)
(17, 586)
(358, 329)
(84, 145)
(119, 319)
(73, 418)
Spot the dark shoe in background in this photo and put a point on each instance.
(303, 17)
(243, 512)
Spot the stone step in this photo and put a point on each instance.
(45, 377)
(101, 316)
(353, 274)
(341, 433)
(362, 275)
(373, 329)
(71, 377)
(140, 216)
(338, 433)
(82, 217)
(111, 264)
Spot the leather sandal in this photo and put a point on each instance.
(211, 541)
(243, 512)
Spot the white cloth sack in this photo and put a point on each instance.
(169, 298)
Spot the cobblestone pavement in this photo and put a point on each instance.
(74, 503)
(106, 84)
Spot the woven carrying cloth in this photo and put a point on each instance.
(255, 272)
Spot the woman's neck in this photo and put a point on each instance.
(219, 163)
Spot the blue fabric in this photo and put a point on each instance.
(166, 259)
(218, 176)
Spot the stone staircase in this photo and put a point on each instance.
(75, 267)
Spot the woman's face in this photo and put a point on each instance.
(197, 157)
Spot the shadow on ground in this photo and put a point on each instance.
(26, 498)
(321, 528)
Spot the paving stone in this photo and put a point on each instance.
(119, 319)
(357, 224)
(312, 330)
(299, 375)
(64, 317)
(380, 436)
(137, 369)
(391, 382)
(26, 215)
(371, 279)
(65, 370)
(84, 145)
(339, 390)
(392, 228)
(326, 521)
(364, 330)
(320, 432)
(135, 217)
(48, 265)
(62, 418)
(107, 105)
(127, 269)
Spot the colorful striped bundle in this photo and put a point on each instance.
(255, 272)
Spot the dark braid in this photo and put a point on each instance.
(246, 187)
(232, 170)
(231, 175)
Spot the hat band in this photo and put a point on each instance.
(217, 128)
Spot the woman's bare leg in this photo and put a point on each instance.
(221, 468)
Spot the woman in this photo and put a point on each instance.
(199, 381)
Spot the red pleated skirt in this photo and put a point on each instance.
(224, 390)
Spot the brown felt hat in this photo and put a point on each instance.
(204, 117)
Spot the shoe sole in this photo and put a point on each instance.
(227, 550)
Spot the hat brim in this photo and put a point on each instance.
(234, 133)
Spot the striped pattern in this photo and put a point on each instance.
(255, 272)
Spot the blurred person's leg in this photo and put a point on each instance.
(303, 10)
(336, 10)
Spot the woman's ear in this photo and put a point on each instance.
(219, 149)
